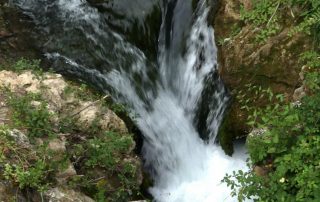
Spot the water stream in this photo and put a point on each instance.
(164, 69)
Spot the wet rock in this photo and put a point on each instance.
(17, 35)
(59, 194)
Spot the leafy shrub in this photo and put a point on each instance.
(266, 16)
(32, 177)
(25, 64)
(105, 151)
(288, 149)
(27, 167)
(36, 119)
(263, 16)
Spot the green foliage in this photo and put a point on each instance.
(102, 159)
(119, 108)
(27, 167)
(32, 177)
(266, 15)
(25, 64)
(287, 146)
(312, 59)
(36, 119)
(292, 143)
(105, 151)
(81, 91)
(235, 30)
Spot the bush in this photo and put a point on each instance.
(106, 151)
(27, 168)
(36, 119)
(266, 15)
(288, 150)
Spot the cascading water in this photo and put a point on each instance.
(164, 93)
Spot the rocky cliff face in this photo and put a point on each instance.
(273, 63)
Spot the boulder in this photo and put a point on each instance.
(64, 175)
(55, 86)
(111, 122)
(59, 194)
(88, 112)
(57, 145)
(20, 138)
(16, 82)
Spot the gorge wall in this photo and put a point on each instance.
(273, 63)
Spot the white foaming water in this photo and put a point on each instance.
(185, 168)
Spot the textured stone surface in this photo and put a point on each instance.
(66, 195)
(64, 104)
(110, 121)
(243, 61)
(20, 138)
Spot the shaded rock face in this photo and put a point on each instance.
(16, 36)
(243, 61)
(138, 20)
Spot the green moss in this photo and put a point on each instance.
(226, 137)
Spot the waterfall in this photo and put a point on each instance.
(165, 94)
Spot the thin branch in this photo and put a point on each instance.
(90, 105)
(274, 13)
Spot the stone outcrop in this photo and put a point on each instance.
(59, 194)
(243, 61)
(52, 88)
(64, 105)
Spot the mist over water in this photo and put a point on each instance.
(166, 94)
